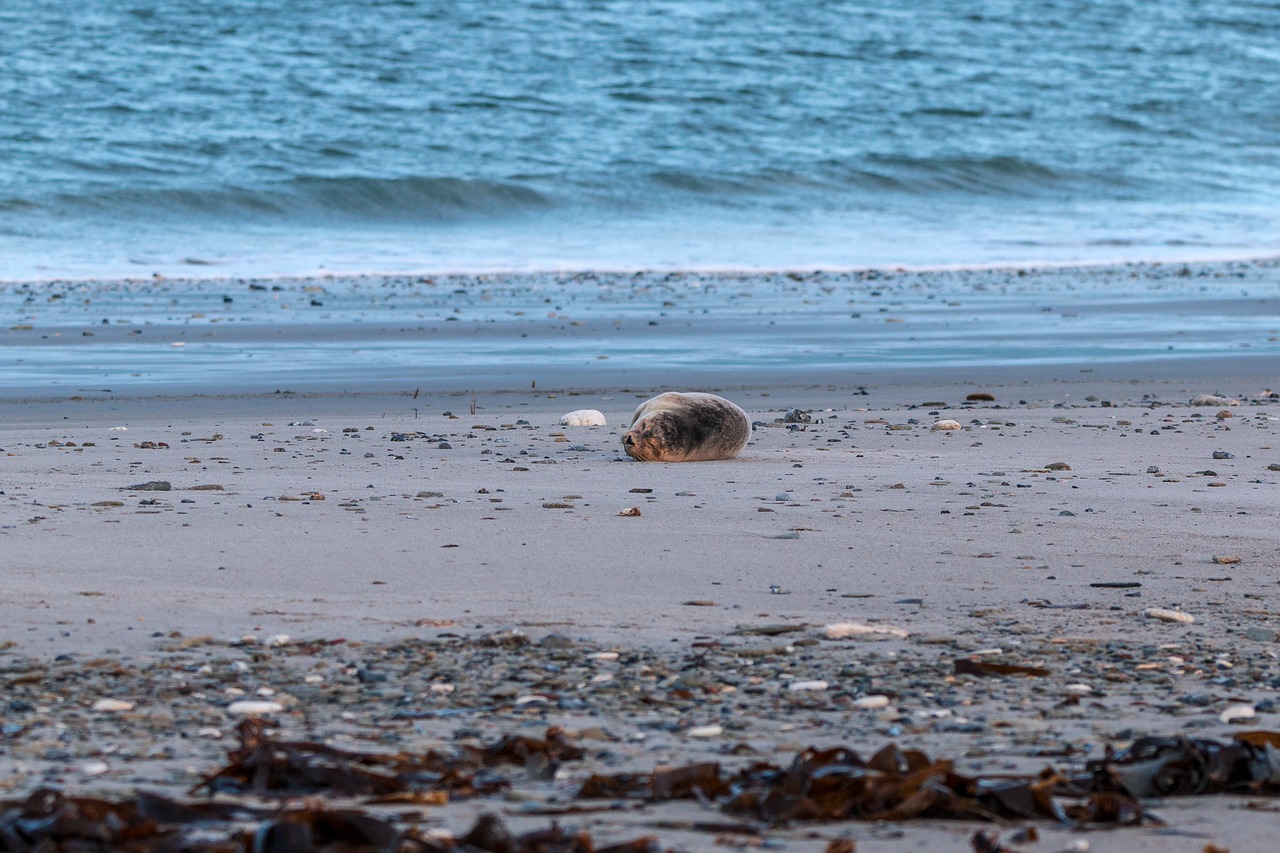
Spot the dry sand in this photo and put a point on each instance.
(379, 517)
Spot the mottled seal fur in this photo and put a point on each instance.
(686, 427)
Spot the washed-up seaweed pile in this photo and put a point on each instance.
(819, 785)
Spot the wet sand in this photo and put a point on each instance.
(1039, 534)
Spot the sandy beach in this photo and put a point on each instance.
(353, 556)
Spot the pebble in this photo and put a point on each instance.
(843, 630)
(603, 656)
(253, 707)
(1260, 634)
(93, 767)
(1213, 400)
(947, 425)
(1168, 615)
(712, 730)
(111, 705)
(1225, 559)
(1058, 466)
(1242, 711)
(583, 417)
(872, 702)
(800, 686)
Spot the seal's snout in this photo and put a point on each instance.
(628, 439)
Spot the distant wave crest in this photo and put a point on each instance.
(387, 200)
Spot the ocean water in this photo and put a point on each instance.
(264, 137)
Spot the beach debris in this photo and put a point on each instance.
(845, 630)
(630, 512)
(265, 766)
(1168, 615)
(583, 417)
(987, 669)
(797, 416)
(1179, 766)
(149, 486)
(1213, 400)
(947, 425)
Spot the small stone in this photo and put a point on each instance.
(1260, 634)
(583, 417)
(1222, 454)
(981, 397)
(112, 705)
(254, 707)
(1225, 413)
(1058, 466)
(1078, 689)
(712, 730)
(797, 416)
(947, 425)
(1242, 711)
(802, 686)
(872, 702)
(1225, 559)
(603, 656)
(93, 767)
(1213, 400)
(1168, 615)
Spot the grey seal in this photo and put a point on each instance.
(686, 427)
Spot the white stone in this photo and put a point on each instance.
(1242, 711)
(872, 702)
(583, 417)
(94, 767)
(947, 425)
(712, 730)
(1078, 689)
(277, 640)
(1168, 615)
(603, 656)
(442, 689)
(248, 706)
(799, 686)
(108, 705)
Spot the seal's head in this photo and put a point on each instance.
(658, 437)
(675, 427)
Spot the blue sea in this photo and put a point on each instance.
(274, 137)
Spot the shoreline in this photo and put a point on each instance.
(207, 275)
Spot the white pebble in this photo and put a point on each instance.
(583, 417)
(112, 705)
(531, 698)
(1243, 711)
(277, 640)
(870, 703)
(248, 706)
(314, 679)
(93, 767)
(947, 425)
(843, 630)
(712, 730)
(239, 666)
(209, 732)
(603, 656)
(443, 689)
(816, 684)
(1078, 689)
(1168, 615)
(602, 677)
